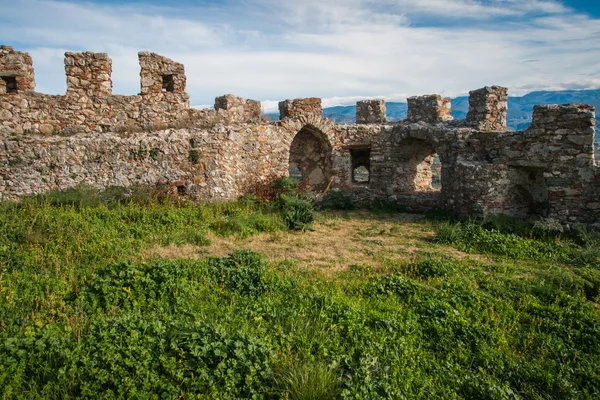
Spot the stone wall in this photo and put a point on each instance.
(370, 112)
(239, 109)
(300, 107)
(431, 108)
(488, 108)
(89, 105)
(547, 170)
(16, 71)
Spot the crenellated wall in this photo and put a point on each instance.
(547, 170)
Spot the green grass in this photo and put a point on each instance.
(84, 313)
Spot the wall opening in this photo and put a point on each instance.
(168, 83)
(418, 167)
(361, 165)
(528, 194)
(436, 173)
(10, 84)
(295, 173)
(310, 158)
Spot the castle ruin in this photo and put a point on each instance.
(92, 136)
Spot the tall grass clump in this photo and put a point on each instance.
(307, 380)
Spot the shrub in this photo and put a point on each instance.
(336, 199)
(242, 272)
(285, 185)
(297, 212)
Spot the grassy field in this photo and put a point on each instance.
(166, 299)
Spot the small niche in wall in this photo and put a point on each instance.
(168, 83)
(10, 83)
(361, 165)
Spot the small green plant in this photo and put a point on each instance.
(336, 199)
(194, 156)
(242, 272)
(297, 212)
(153, 153)
(307, 380)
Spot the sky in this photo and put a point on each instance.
(339, 50)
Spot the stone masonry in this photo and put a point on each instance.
(370, 112)
(16, 71)
(488, 108)
(432, 108)
(300, 107)
(545, 171)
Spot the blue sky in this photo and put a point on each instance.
(340, 50)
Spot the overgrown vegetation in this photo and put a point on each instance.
(496, 310)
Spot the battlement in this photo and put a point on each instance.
(16, 71)
(431, 108)
(488, 108)
(547, 170)
(300, 107)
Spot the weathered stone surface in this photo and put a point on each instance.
(17, 66)
(239, 109)
(431, 108)
(300, 107)
(370, 112)
(548, 170)
(488, 108)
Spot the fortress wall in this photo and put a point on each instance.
(90, 106)
(547, 170)
(371, 112)
(431, 108)
(216, 164)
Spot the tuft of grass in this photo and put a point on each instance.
(307, 380)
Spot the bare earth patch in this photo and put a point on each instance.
(337, 242)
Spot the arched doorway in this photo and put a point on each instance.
(310, 158)
(417, 168)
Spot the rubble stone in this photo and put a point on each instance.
(431, 108)
(370, 112)
(91, 136)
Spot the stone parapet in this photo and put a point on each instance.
(431, 108)
(301, 107)
(161, 74)
(88, 74)
(488, 108)
(16, 71)
(371, 112)
(239, 109)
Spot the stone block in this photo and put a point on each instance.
(431, 108)
(370, 112)
(488, 108)
(301, 107)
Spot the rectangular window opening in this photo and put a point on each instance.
(361, 165)
(10, 84)
(168, 83)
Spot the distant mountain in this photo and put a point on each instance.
(520, 109)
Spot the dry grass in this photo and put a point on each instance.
(337, 242)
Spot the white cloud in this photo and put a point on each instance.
(341, 51)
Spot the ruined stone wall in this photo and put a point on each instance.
(370, 112)
(90, 106)
(432, 108)
(16, 71)
(547, 170)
